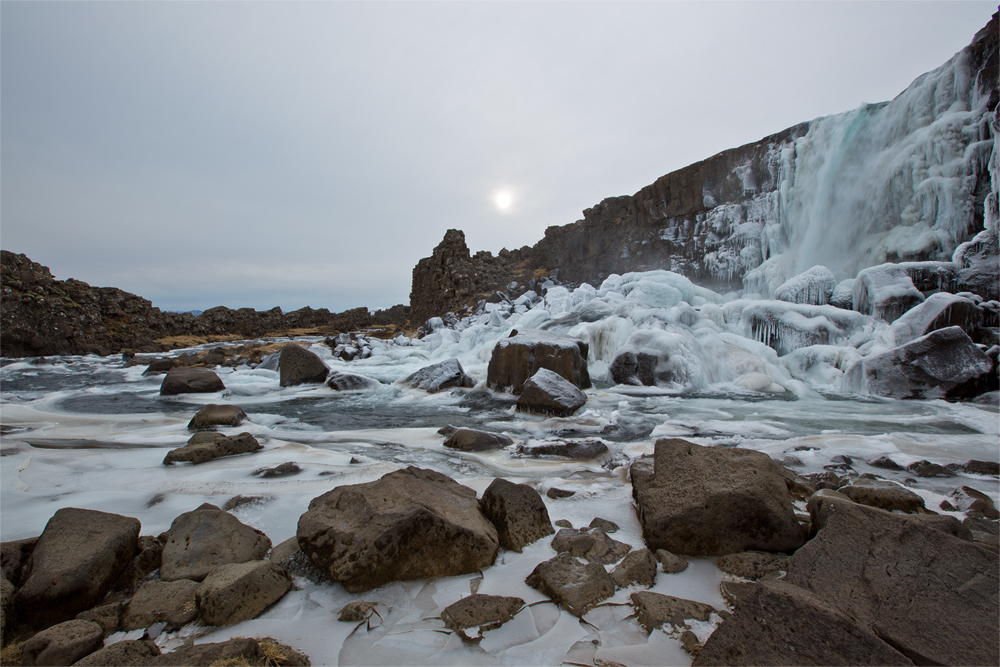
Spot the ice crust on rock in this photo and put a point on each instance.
(885, 292)
(937, 312)
(789, 326)
(813, 287)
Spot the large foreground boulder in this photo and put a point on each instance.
(76, 560)
(444, 375)
(780, 624)
(517, 512)
(183, 380)
(518, 357)
(409, 524)
(548, 393)
(208, 445)
(707, 501)
(932, 596)
(297, 365)
(943, 364)
(201, 540)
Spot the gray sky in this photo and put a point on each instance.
(309, 153)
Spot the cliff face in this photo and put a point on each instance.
(40, 315)
(898, 181)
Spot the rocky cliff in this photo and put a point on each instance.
(898, 181)
(40, 315)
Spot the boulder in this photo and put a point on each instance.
(161, 366)
(927, 469)
(172, 602)
(108, 616)
(207, 445)
(76, 560)
(577, 450)
(214, 414)
(125, 653)
(671, 563)
(706, 501)
(929, 594)
(604, 524)
(286, 469)
(62, 644)
(297, 365)
(240, 591)
(471, 440)
(751, 564)
(149, 552)
(638, 567)
(7, 592)
(201, 540)
(885, 292)
(593, 545)
(235, 651)
(654, 610)
(182, 380)
(881, 493)
(484, 612)
(444, 375)
(548, 393)
(780, 624)
(575, 585)
(943, 364)
(967, 498)
(937, 312)
(13, 556)
(517, 512)
(521, 355)
(409, 524)
(349, 382)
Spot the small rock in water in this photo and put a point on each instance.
(563, 523)
(604, 524)
(671, 563)
(443, 375)
(484, 612)
(180, 380)
(356, 611)
(638, 567)
(928, 469)
(594, 545)
(471, 440)
(297, 365)
(886, 463)
(207, 445)
(654, 610)
(238, 501)
(286, 469)
(577, 586)
(559, 493)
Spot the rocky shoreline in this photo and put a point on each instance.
(866, 575)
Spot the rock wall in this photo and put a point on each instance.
(40, 315)
(846, 191)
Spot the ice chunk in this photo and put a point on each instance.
(813, 287)
(843, 295)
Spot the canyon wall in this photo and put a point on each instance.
(904, 180)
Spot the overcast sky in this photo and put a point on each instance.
(309, 153)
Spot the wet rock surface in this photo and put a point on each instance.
(471, 440)
(593, 545)
(655, 610)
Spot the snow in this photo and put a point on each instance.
(814, 287)
(948, 309)
(885, 292)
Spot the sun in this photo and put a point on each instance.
(503, 200)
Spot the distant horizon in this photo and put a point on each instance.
(309, 154)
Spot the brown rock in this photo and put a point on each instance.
(214, 414)
(240, 591)
(201, 540)
(108, 616)
(780, 624)
(712, 501)
(297, 365)
(181, 380)
(13, 556)
(77, 558)
(638, 567)
(126, 653)
(356, 611)
(593, 545)
(655, 609)
(517, 512)
(436, 377)
(671, 563)
(410, 524)
(62, 644)
(880, 493)
(577, 586)
(172, 602)
(520, 356)
(485, 612)
(471, 440)
(751, 564)
(208, 445)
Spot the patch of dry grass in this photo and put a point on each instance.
(11, 654)
(190, 341)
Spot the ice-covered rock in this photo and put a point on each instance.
(821, 365)
(937, 312)
(547, 392)
(788, 326)
(443, 375)
(978, 260)
(885, 292)
(520, 356)
(943, 364)
(813, 287)
(843, 295)
(409, 524)
(350, 382)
